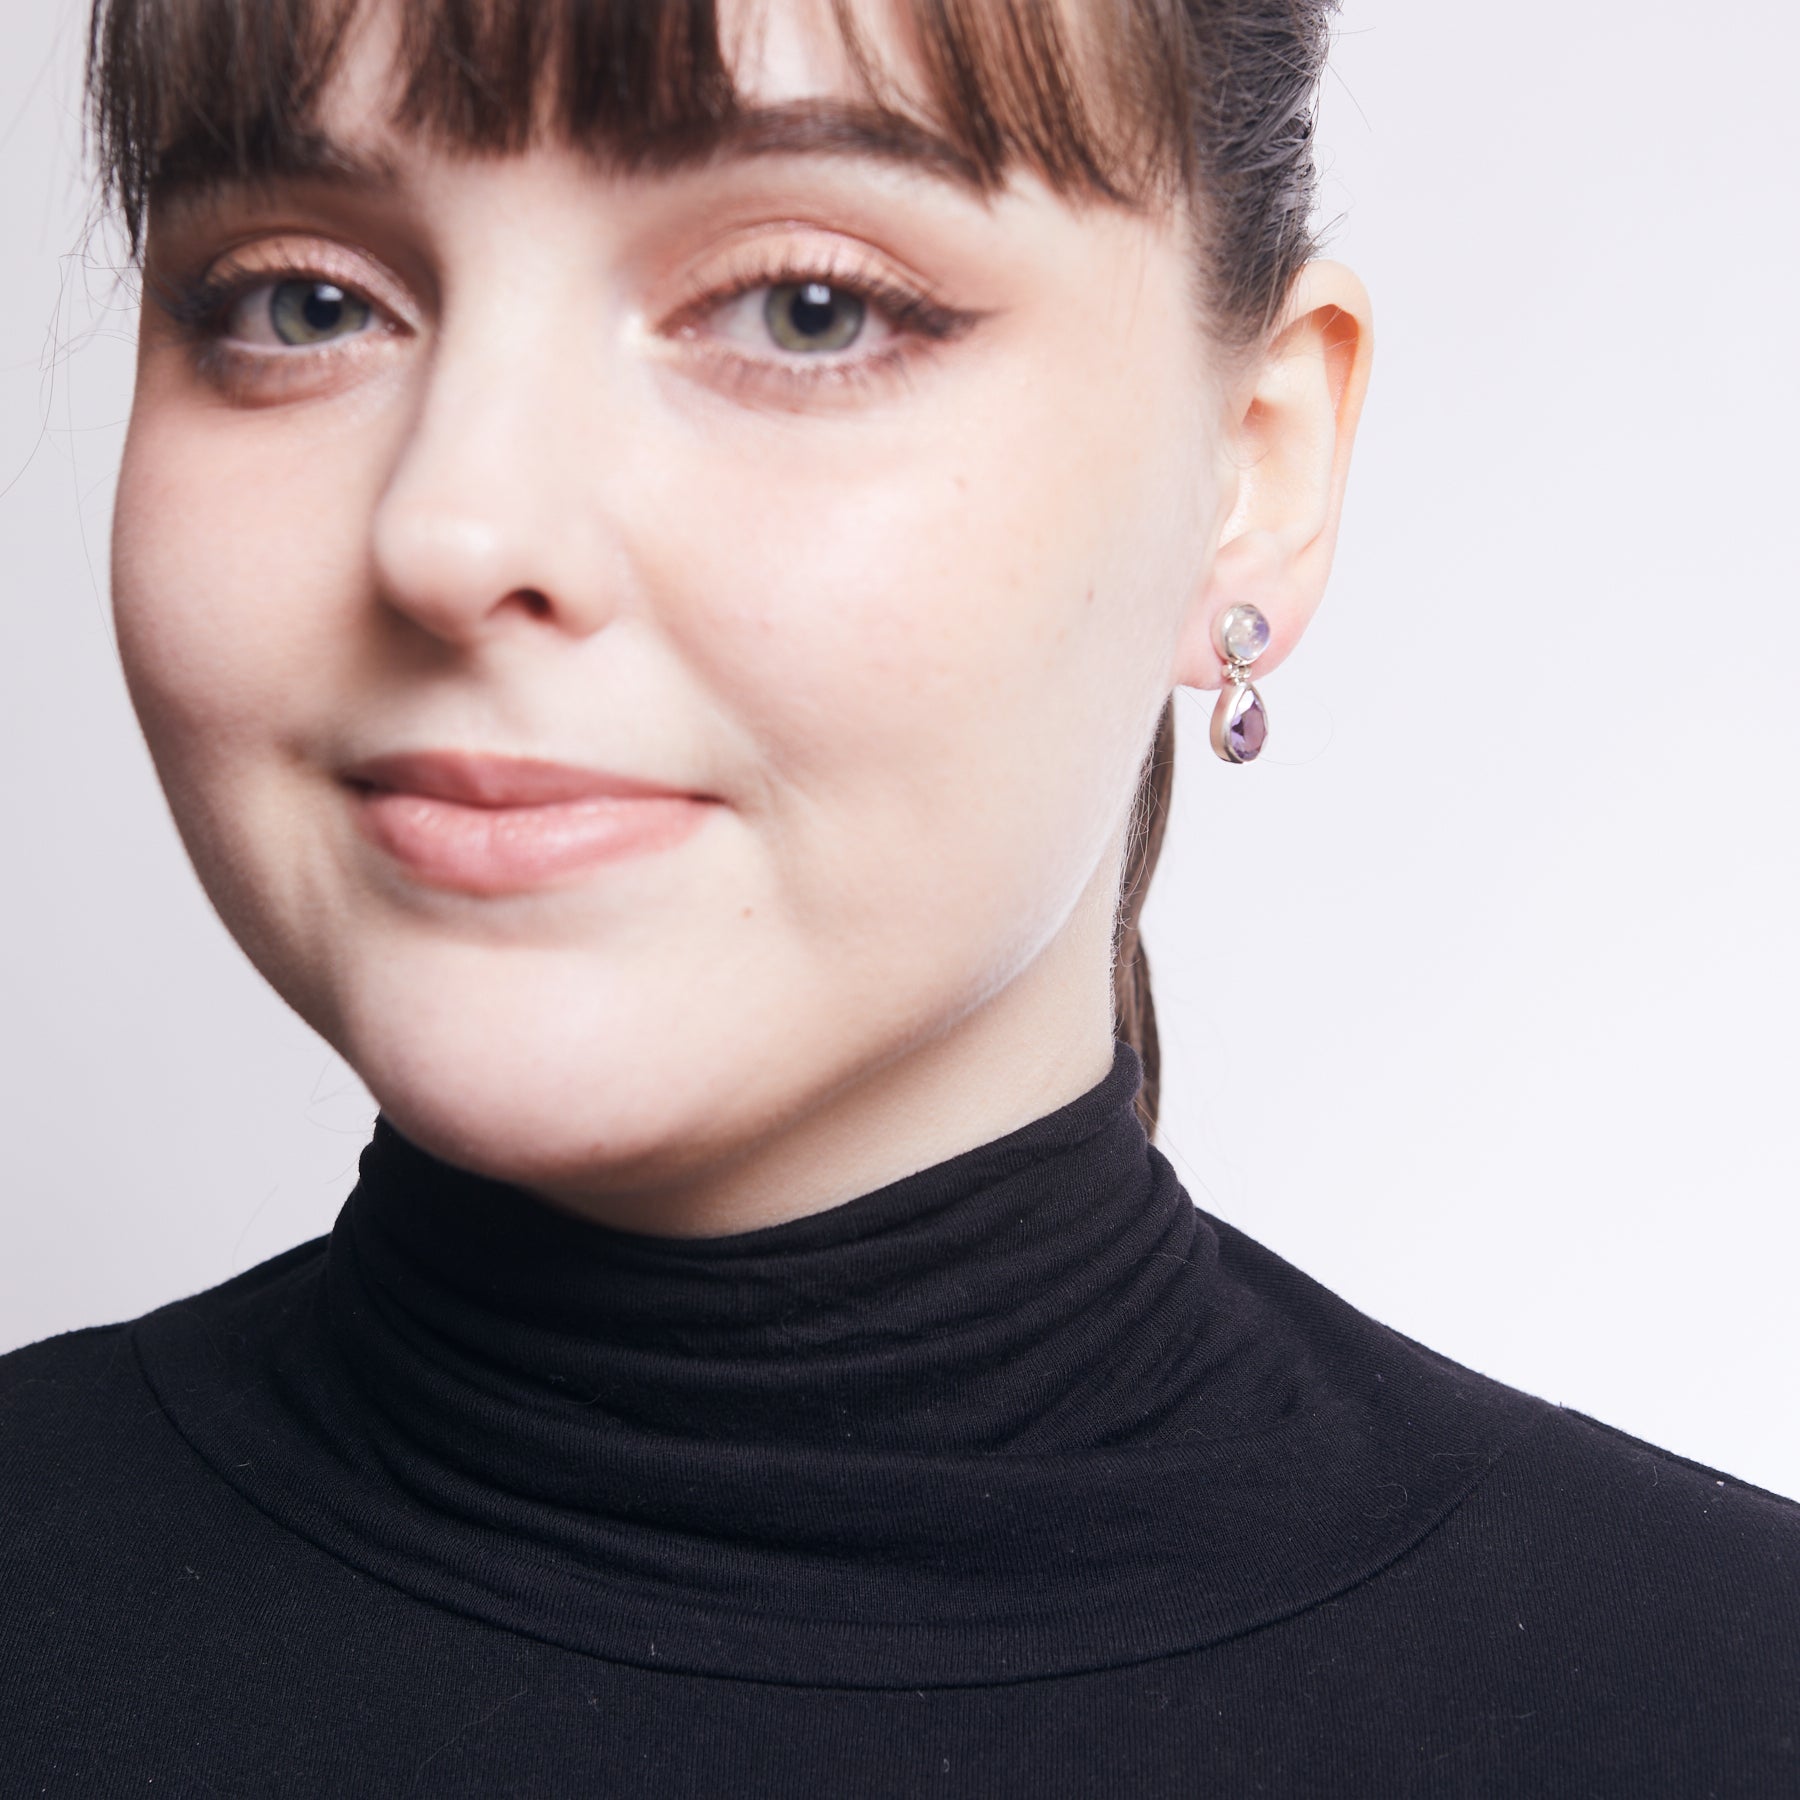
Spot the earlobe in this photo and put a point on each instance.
(1296, 421)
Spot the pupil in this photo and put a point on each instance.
(812, 309)
(323, 306)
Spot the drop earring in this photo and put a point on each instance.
(1240, 726)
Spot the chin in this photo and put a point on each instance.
(540, 1079)
(498, 1110)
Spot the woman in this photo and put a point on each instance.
(652, 557)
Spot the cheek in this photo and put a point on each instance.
(236, 557)
(948, 648)
(236, 575)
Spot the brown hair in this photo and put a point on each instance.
(1208, 103)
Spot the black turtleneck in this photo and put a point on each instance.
(1019, 1476)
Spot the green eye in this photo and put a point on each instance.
(314, 312)
(813, 315)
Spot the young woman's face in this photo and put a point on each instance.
(859, 515)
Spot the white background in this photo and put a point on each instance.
(1478, 992)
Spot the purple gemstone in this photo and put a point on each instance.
(1248, 728)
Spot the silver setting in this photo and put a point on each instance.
(1241, 634)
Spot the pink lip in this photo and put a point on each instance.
(498, 825)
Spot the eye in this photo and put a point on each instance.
(297, 313)
(805, 322)
(813, 315)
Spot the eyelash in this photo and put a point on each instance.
(202, 308)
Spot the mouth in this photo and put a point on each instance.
(477, 824)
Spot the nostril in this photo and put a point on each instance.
(534, 601)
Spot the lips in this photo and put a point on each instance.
(492, 825)
(473, 779)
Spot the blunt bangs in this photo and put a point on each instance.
(186, 92)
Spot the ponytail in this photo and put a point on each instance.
(1134, 1012)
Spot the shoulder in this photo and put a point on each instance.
(82, 1448)
(82, 1431)
(1571, 1533)
(1560, 1487)
(1617, 1500)
(108, 1514)
(1596, 1614)
(48, 1389)
(1639, 1584)
(1572, 1462)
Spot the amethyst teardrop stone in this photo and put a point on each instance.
(1248, 728)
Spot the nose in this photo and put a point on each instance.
(493, 518)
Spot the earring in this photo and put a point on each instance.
(1240, 726)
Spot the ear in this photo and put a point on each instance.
(1291, 426)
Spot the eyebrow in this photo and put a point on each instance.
(816, 127)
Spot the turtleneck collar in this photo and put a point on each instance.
(1028, 1295)
(1024, 1412)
